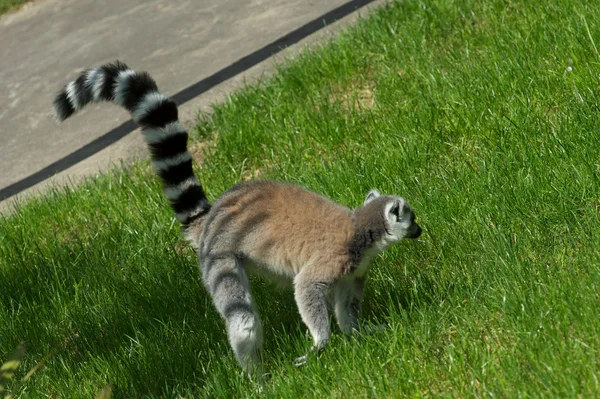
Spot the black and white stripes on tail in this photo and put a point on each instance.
(157, 115)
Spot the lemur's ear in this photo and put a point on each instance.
(371, 196)
(395, 210)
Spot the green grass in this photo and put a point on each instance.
(8, 5)
(483, 114)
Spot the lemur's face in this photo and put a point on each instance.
(399, 217)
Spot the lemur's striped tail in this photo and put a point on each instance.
(157, 116)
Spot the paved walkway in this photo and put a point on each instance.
(196, 51)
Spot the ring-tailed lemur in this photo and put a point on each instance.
(281, 229)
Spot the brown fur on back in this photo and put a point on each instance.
(282, 227)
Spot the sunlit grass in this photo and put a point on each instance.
(484, 115)
(8, 5)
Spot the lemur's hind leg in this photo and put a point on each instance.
(311, 298)
(228, 285)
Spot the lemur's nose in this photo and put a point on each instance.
(417, 232)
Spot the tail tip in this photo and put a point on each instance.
(62, 107)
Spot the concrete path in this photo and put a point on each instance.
(197, 51)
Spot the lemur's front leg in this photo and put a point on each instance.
(348, 298)
(311, 298)
(348, 294)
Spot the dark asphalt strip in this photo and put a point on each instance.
(186, 95)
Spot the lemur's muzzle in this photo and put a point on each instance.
(415, 232)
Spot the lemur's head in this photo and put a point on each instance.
(395, 215)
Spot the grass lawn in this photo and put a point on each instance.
(7, 5)
(482, 113)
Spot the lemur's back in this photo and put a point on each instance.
(280, 225)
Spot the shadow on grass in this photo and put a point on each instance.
(156, 329)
